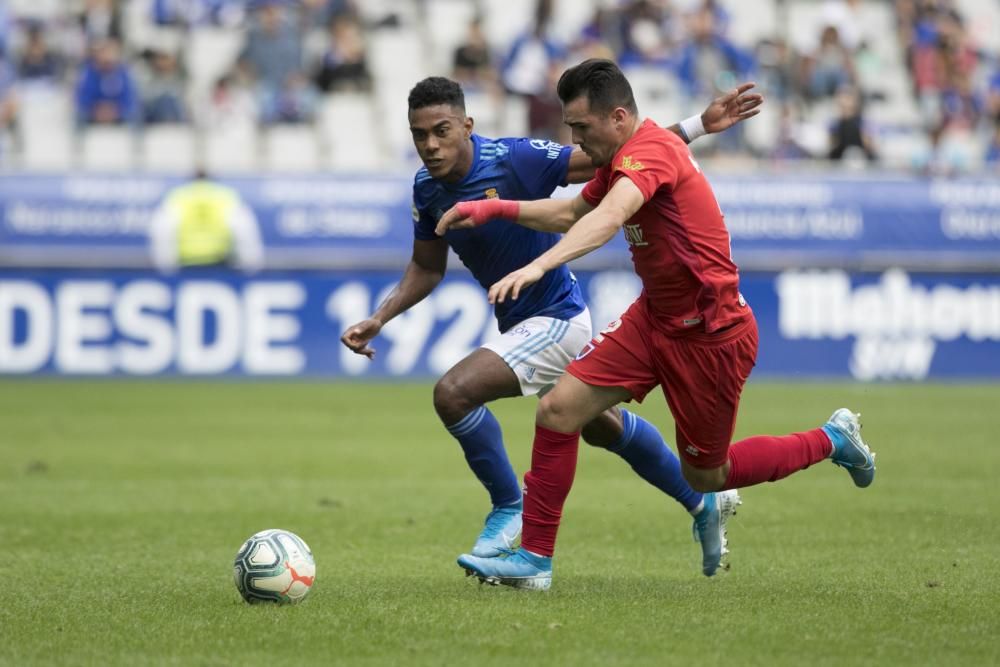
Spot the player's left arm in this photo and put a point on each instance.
(736, 106)
(592, 231)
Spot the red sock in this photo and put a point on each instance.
(546, 485)
(768, 458)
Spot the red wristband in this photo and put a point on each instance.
(484, 210)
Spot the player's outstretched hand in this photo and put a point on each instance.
(358, 336)
(468, 214)
(512, 284)
(735, 106)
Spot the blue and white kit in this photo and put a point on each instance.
(549, 323)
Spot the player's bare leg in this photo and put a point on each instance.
(459, 399)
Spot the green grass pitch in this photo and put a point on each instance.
(122, 505)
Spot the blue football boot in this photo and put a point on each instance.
(520, 569)
(710, 528)
(501, 530)
(849, 450)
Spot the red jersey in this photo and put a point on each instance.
(678, 240)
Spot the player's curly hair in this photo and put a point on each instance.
(603, 83)
(436, 90)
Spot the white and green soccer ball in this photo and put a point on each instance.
(274, 566)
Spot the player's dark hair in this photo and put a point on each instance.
(436, 90)
(601, 81)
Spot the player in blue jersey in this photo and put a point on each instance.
(546, 327)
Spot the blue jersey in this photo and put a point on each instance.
(521, 169)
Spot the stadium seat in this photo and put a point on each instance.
(45, 128)
(46, 10)
(347, 126)
(169, 149)
(448, 21)
(291, 148)
(506, 19)
(208, 54)
(483, 109)
(750, 22)
(656, 93)
(108, 148)
(231, 150)
(514, 122)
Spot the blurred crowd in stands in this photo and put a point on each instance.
(830, 84)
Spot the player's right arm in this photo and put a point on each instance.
(544, 215)
(425, 270)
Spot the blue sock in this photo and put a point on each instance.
(643, 447)
(482, 441)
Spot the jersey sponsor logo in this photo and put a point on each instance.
(551, 148)
(491, 193)
(629, 164)
(633, 235)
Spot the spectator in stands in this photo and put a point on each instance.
(829, 68)
(272, 54)
(845, 16)
(849, 130)
(8, 99)
(525, 70)
(787, 146)
(545, 117)
(993, 149)
(708, 62)
(295, 102)
(203, 223)
(606, 29)
(233, 104)
(343, 66)
(106, 92)
(325, 12)
(647, 31)
(229, 13)
(4, 27)
(163, 89)
(39, 63)
(776, 69)
(100, 20)
(472, 65)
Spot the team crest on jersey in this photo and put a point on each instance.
(633, 235)
(628, 164)
(491, 193)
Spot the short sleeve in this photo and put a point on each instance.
(540, 165)
(423, 223)
(649, 165)
(595, 189)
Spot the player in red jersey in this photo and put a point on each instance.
(690, 331)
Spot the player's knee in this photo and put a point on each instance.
(557, 415)
(451, 402)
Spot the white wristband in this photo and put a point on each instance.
(693, 128)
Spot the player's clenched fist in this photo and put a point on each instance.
(358, 336)
(514, 282)
(468, 214)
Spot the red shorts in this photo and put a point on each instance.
(701, 376)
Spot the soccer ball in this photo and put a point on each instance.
(274, 566)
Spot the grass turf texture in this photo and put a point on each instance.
(122, 505)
